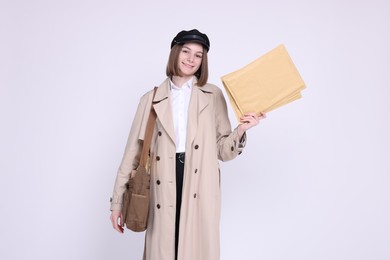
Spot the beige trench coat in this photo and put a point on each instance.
(209, 138)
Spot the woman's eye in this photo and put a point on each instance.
(199, 56)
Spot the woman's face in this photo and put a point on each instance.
(190, 59)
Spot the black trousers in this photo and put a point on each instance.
(179, 188)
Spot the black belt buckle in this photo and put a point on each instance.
(181, 157)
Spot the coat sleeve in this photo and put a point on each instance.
(132, 152)
(228, 143)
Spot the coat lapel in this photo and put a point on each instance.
(162, 106)
(199, 101)
(200, 97)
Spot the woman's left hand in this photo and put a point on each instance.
(248, 121)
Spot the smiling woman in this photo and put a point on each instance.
(192, 132)
(189, 60)
(179, 53)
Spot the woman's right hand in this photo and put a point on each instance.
(117, 220)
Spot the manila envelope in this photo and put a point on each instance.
(265, 84)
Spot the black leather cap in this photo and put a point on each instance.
(191, 36)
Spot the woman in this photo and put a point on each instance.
(192, 132)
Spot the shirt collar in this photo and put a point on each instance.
(187, 85)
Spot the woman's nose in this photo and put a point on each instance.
(190, 58)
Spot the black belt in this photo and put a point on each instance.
(180, 157)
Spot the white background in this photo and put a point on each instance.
(312, 184)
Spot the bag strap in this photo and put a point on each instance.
(148, 133)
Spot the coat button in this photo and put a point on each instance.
(232, 148)
(158, 158)
(158, 206)
(159, 133)
(195, 196)
(196, 170)
(158, 182)
(196, 147)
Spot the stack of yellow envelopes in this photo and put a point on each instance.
(265, 84)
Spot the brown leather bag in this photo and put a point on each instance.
(135, 208)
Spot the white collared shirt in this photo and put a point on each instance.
(180, 100)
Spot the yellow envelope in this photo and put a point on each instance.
(265, 84)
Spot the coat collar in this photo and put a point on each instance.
(198, 102)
